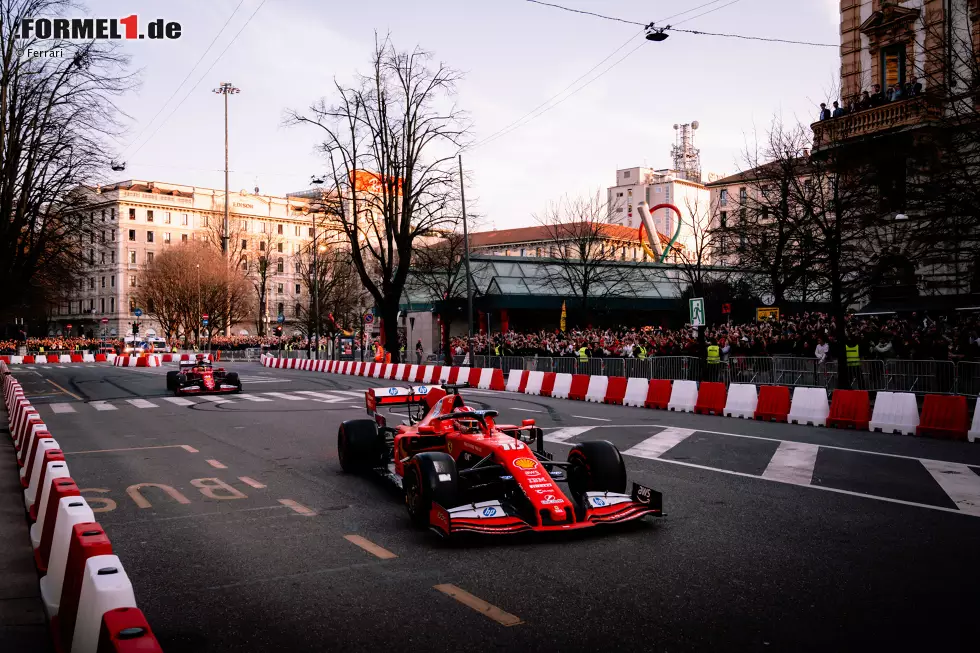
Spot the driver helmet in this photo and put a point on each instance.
(466, 425)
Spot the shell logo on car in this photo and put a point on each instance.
(525, 463)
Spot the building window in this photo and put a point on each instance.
(311, 232)
(149, 257)
(279, 266)
(537, 251)
(619, 210)
(102, 237)
(132, 214)
(522, 251)
(741, 216)
(299, 309)
(91, 304)
(132, 281)
(619, 194)
(626, 175)
(297, 289)
(279, 229)
(892, 66)
(149, 305)
(183, 238)
(279, 291)
(112, 256)
(723, 220)
(282, 308)
(296, 230)
(112, 236)
(297, 267)
(102, 258)
(112, 304)
(91, 257)
(102, 305)
(205, 221)
(724, 197)
(132, 234)
(166, 217)
(103, 282)
(91, 283)
(262, 246)
(149, 216)
(132, 256)
(112, 214)
(103, 215)
(91, 237)
(183, 220)
(166, 237)
(244, 263)
(112, 281)
(279, 246)
(244, 243)
(132, 305)
(149, 236)
(742, 194)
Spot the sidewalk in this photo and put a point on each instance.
(23, 628)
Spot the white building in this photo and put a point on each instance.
(132, 221)
(656, 187)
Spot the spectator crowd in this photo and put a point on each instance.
(876, 97)
(810, 335)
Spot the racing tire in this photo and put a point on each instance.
(360, 446)
(430, 477)
(231, 378)
(172, 379)
(596, 466)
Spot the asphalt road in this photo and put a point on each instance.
(240, 532)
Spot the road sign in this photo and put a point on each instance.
(726, 309)
(281, 318)
(204, 322)
(138, 312)
(696, 306)
(68, 326)
(205, 316)
(105, 320)
(369, 318)
(763, 314)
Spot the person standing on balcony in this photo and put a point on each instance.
(824, 111)
(838, 111)
(877, 97)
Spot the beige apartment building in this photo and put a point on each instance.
(133, 221)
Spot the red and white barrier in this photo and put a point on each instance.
(636, 392)
(105, 587)
(76, 529)
(596, 392)
(683, 396)
(151, 360)
(124, 630)
(742, 401)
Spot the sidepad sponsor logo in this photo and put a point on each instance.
(550, 499)
(489, 512)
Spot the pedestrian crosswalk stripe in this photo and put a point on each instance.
(31, 367)
(61, 367)
(959, 482)
(101, 405)
(330, 399)
(180, 401)
(63, 408)
(142, 403)
(349, 393)
(217, 399)
(282, 395)
(567, 433)
(657, 445)
(793, 462)
(252, 397)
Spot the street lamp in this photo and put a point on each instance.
(226, 89)
(317, 182)
(197, 339)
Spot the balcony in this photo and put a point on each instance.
(899, 115)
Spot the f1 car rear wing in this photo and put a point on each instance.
(410, 396)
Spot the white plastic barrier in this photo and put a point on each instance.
(427, 374)
(742, 401)
(486, 376)
(563, 385)
(399, 371)
(64, 358)
(377, 371)
(896, 412)
(33, 475)
(514, 380)
(413, 371)
(55, 469)
(683, 396)
(636, 392)
(105, 586)
(597, 389)
(534, 381)
(444, 374)
(809, 406)
(88, 358)
(71, 511)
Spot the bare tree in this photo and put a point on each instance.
(55, 117)
(586, 253)
(341, 295)
(391, 140)
(438, 272)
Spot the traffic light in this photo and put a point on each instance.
(279, 330)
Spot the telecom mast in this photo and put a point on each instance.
(687, 158)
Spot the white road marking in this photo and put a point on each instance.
(62, 408)
(350, 393)
(251, 481)
(189, 448)
(102, 405)
(597, 419)
(180, 401)
(265, 381)
(91, 366)
(526, 410)
(959, 482)
(31, 367)
(142, 403)
(793, 463)
(565, 434)
(329, 399)
(659, 444)
(61, 367)
(217, 399)
(283, 395)
(298, 507)
(216, 464)
(252, 397)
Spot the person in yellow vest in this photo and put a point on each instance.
(583, 354)
(852, 352)
(643, 353)
(41, 349)
(379, 353)
(714, 360)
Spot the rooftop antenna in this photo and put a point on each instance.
(686, 157)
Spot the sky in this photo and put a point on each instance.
(515, 55)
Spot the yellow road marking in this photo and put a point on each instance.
(478, 604)
(247, 480)
(298, 507)
(188, 448)
(217, 465)
(370, 547)
(162, 446)
(70, 394)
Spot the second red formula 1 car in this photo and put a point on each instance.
(463, 472)
(200, 377)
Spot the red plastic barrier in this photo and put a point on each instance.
(774, 401)
(87, 540)
(580, 386)
(850, 409)
(658, 394)
(547, 384)
(944, 416)
(497, 380)
(419, 374)
(5, 359)
(53, 358)
(406, 371)
(50, 456)
(616, 390)
(711, 398)
(522, 384)
(124, 630)
(436, 375)
(76, 358)
(29, 461)
(454, 375)
(60, 488)
(25, 436)
(28, 359)
(474, 378)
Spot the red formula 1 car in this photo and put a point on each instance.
(200, 377)
(463, 472)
